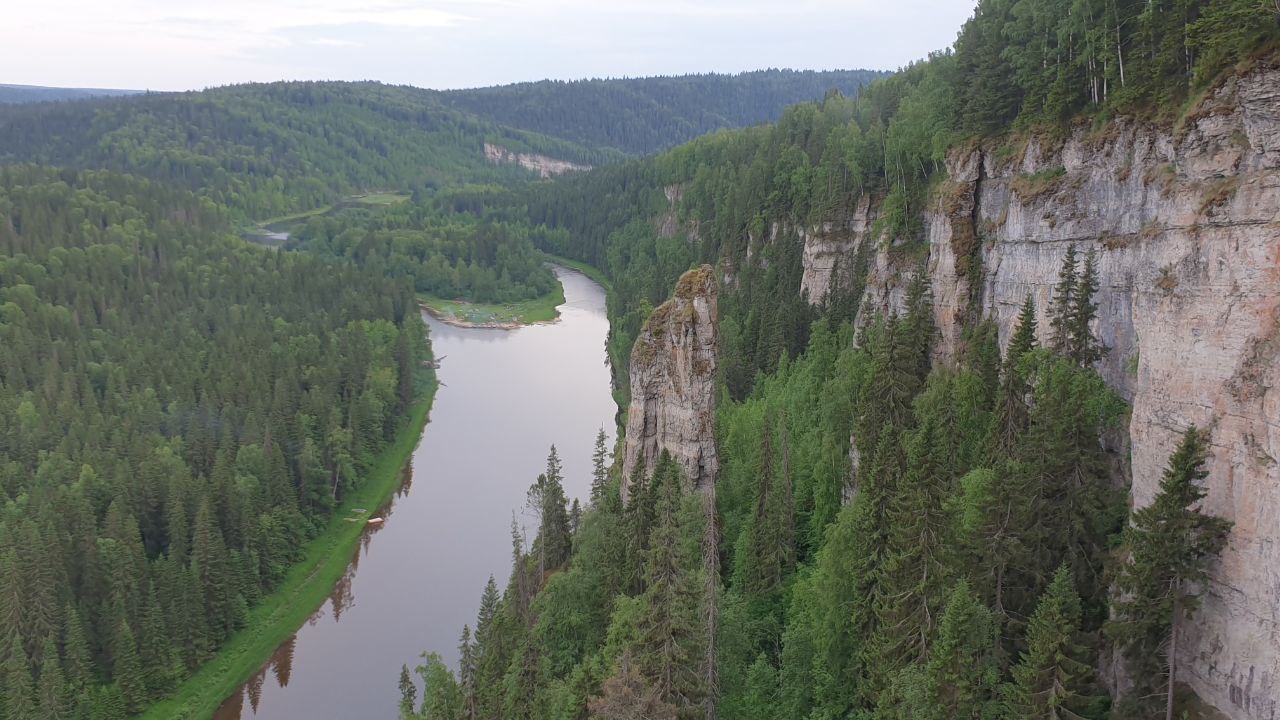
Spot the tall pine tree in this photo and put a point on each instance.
(1054, 677)
(1168, 545)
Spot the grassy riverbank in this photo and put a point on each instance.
(467, 314)
(307, 585)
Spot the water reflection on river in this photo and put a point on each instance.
(506, 396)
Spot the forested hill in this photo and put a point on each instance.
(14, 94)
(645, 115)
(270, 149)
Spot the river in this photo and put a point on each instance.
(505, 397)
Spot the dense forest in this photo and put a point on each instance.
(14, 94)
(639, 116)
(446, 255)
(179, 410)
(268, 150)
(960, 566)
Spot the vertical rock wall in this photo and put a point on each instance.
(1186, 222)
(673, 393)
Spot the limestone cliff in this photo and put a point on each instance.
(673, 370)
(541, 164)
(1186, 221)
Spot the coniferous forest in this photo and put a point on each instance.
(890, 537)
(180, 412)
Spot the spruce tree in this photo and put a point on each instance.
(51, 690)
(1083, 347)
(668, 645)
(19, 693)
(1067, 472)
(160, 662)
(1168, 545)
(211, 574)
(1011, 404)
(1054, 676)
(982, 357)
(996, 512)
(106, 702)
(547, 498)
(599, 471)
(886, 399)
(918, 327)
(846, 582)
(126, 669)
(78, 665)
(770, 534)
(638, 519)
(11, 600)
(1064, 299)
(491, 660)
(912, 579)
(961, 670)
(467, 674)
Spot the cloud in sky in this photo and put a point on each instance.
(166, 45)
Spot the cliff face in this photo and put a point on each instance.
(673, 369)
(1186, 222)
(541, 164)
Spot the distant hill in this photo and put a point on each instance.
(277, 148)
(273, 149)
(646, 115)
(18, 94)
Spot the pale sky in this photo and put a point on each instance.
(185, 44)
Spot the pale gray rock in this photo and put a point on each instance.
(1186, 224)
(541, 164)
(673, 393)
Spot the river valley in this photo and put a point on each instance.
(505, 397)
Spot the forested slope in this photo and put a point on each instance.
(267, 150)
(646, 115)
(15, 94)
(924, 500)
(179, 411)
(443, 254)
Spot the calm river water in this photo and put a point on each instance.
(506, 396)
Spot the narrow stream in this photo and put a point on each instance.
(506, 396)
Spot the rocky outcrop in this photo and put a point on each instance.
(673, 370)
(829, 249)
(1186, 223)
(541, 164)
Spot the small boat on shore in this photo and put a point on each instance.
(376, 521)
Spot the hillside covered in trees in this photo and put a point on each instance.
(889, 539)
(639, 116)
(179, 411)
(15, 94)
(267, 150)
(446, 255)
